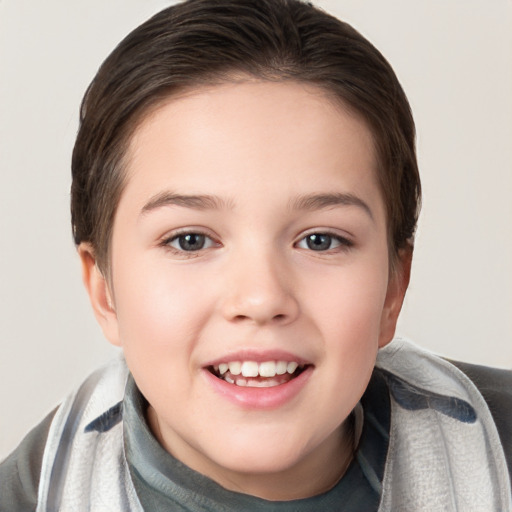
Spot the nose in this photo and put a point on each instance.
(260, 290)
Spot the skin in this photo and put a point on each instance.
(256, 286)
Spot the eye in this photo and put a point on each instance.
(323, 242)
(190, 242)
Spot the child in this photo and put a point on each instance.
(245, 194)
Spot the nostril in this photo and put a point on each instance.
(240, 318)
(276, 318)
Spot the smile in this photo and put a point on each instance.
(257, 375)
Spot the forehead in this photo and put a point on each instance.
(239, 136)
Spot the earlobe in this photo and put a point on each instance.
(397, 286)
(99, 294)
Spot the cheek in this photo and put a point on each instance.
(159, 308)
(350, 300)
(160, 316)
(348, 319)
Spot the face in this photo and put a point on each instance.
(250, 286)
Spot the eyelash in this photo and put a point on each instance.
(175, 237)
(343, 244)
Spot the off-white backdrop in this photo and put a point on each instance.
(454, 58)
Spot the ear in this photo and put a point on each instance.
(397, 286)
(99, 294)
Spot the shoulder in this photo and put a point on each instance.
(93, 407)
(19, 472)
(495, 384)
(486, 377)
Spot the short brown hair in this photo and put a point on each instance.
(208, 41)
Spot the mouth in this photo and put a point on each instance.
(254, 374)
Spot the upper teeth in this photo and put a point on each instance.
(254, 369)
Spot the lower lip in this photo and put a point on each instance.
(259, 398)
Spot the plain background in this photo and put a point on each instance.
(454, 59)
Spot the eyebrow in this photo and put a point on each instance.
(196, 202)
(320, 201)
(209, 202)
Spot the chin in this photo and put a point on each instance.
(258, 454)
(258, 464)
